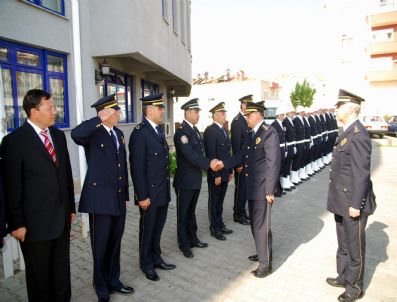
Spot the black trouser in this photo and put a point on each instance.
(106, 232)
(260, 218)
(299, 156)
(47, 265)
(350, 256)
(151, 224)
(239, 195)
(286, 169)
(216, 196)
(186, 201)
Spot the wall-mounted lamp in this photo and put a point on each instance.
(102, 73)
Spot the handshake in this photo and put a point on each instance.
(216, 165)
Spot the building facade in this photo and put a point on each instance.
(83, 50)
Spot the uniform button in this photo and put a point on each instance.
(246, 166)
(102, 145)
(118, 152)
(330, 180)
(330, 170)
(94, 183)
(246, 174)
(248, 147)
(119, 190)
(119, 165)
(152, 186)
(344, 189)
(120, 177)
(155, 153)
(168, 178)
(246, 156)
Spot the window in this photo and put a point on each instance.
(56, 6)
(164, 6)
(24, 68)
(175, 16)
(386, 3)
(122, 85)
(148, 88)
(183, 23)
(383, 35)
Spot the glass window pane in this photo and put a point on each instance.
(54, 5)
(121, 102)
(7, 96)
(3, 54)
(25, 82)
(28, 58)
(57, 93)
(54, 63)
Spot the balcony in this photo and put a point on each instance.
(382, 75)
(384, 19)
(384, 48)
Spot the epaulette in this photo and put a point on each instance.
(180, 126)
(237, 117)
(139, 126)
(265, 127)
(356, 130)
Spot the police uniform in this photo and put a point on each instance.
(349, 186)
(298, 161)
(217, 145)
(277, 124)
(290, 142)
(190, 160)
(262, 166)
(239, 134)
(149, 165)
(104, 196)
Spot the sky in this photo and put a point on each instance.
(261, 37)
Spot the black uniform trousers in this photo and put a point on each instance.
(286, 167)
(260, 219)
(350, 256)
(151, 224)
(106, 232)
(186, 202)
(46, 263)
(299, 157)
(216, 196)
(239, 195)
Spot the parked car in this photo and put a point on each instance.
(375, 124)
(392, 125)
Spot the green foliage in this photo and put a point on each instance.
(302, 94)
(387, 117)
(172, 159)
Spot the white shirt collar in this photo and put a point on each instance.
(220, 126)
(154, 125)
(257, 126)
(190, 124)
(280, 123)
(108, 129)
(37, 128)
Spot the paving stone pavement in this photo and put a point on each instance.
(304, 251)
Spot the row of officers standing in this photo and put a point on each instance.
(39, 193)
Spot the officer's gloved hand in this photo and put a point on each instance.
(286, 153)
(294, 150)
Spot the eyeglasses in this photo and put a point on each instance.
(49, 109)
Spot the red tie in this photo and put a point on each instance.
(49, 146)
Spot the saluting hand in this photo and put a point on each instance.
(144, 204)
(354, 212)
(104, 114)
(19, 234)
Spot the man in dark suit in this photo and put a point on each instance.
(40, 198)
(190, 160)
(239, 134)
(149, 162)
(217, 145)
(262, 164)
(349, 186)
(105, 193)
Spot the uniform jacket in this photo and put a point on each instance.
(299, 129)
(39, 194)
(105, 188)
(217, 145)
(262, 163)
(350, 170)
(189, 157)
(239, 133)
(281, 135)
(289, 135)
(307, 133)
(149, 162)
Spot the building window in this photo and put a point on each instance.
(24, 68)
(183, 21)
(164, 6)
(386, 3)
(56, 6)
(175, 16)
(148, 88)
(383, 35)
(122, 85)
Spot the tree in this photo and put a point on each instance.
(302, 95)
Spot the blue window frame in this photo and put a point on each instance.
(122, 85)
(148, 88)
(55, 6)
(24, 68)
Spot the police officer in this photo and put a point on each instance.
(239, 133)
(105, 193)
(150, 174)
(315, 140)
(291, 149)
(217, 145)
(262, 166)
(187, 181)
(298, 162)
(349, 186)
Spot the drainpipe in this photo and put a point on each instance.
(79, 98)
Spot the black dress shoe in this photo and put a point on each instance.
(225, 230)
(105, 299)
(345, 297)
(253, 258)
(335, 282)
(241, 220)
(218, 235)
(152, 275)
(199, 244)
(165, 266)
(262, 273)
(124, 289)
(188, 253)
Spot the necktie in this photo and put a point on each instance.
(224, 132)
(251, 136)
(48, 145)
(197, 132)
(114, 139)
